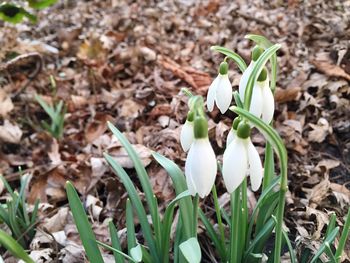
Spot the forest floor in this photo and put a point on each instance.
(126, 62)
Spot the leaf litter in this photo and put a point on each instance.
(126, 63)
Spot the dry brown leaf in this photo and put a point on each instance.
(58, 221)
(319, 131)
(177, 70)
(285, 95)
(54, 153)
(6, 104)
(330, 69)
(122, 157)
(10, 132)
(97, 126)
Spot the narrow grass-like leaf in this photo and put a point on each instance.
(84, 228)
(136, 202)
(232, 55)
(116, 251)
(327, 241)
(272, 136)
(237, 99)
(167, 221)
(144, 180)
(267, 194)
(130, 227)
(115, 242)
(265, 43)
(266, 231)
(179, 182)
(344, 237)
(331, 224)
(41, 4)
(258, 67)
(220, 247)
(191, 250)
(290, 247)
(15, 249)
(269, 166)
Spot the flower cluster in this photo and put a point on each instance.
(240, 158)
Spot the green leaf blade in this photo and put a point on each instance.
(84, 228)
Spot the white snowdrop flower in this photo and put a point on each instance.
(187, 135)
(241, 159)
(230, 137)
(262, 104)
(200, 167)
(257, 51)
(220, 91)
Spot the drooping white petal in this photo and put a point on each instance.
(235, 164)
(244, 80)
(203, 166)
(187, 135)
(269, 103)
(212, 93)
(223, 93)
(256, 104)
(231, 135)
(255, 166)
(189, 181)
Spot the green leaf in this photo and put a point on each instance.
(167, 221)
(331, 224)
(115, 242)
(232, 55)
(15, 249)
(265, 231)
(130, 227)
(258, 67)
(210, 231)
(136, 253)
(144, 180)
(179, 182)
(191, 250)
(116, 251)
(344, 237)
(41, 4)
(136, 202)
(84, 228)
(265, 44)
(14, 14)
(326, 243)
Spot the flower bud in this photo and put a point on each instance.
(256, 53)
(223, 69)
(263, 75)
(243, 130)
(236, 122)
(200, 128)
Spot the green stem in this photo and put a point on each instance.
(218, 216)
(343, 238)
(235, 233)
(244, 219)
(276, 141)
(195, 214)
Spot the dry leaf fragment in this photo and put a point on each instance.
(58, 221)
(10, 133)
(330, 69)
(285, 95)
(320, 130)
(122, 157)
(6, 104)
